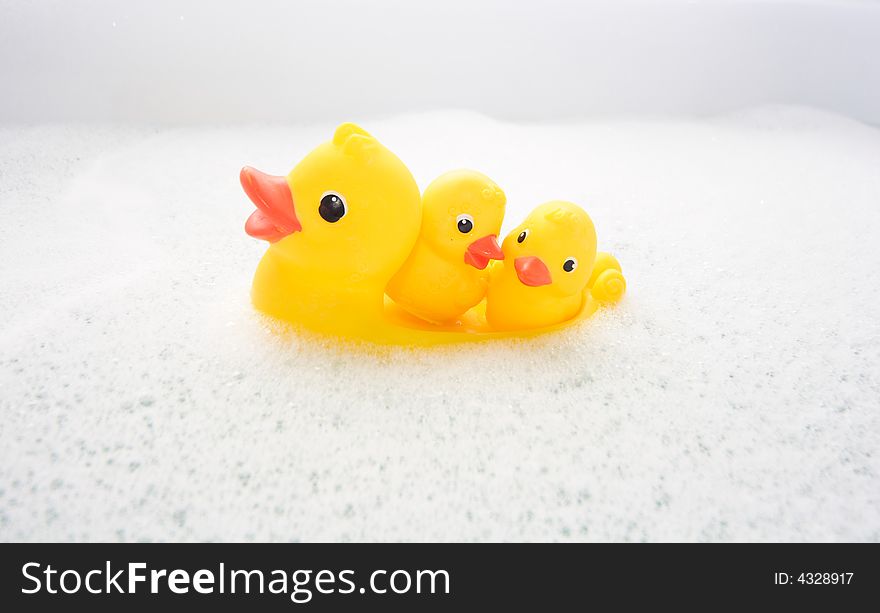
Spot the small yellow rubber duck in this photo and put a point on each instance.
(446, 273)
(550, 263)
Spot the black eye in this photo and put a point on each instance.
(465, 223)
(569, 264)
(522, 236)
(332, 207)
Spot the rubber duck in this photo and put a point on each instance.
(547, 270)
(340, 224)
(446, 273)
(348, 217)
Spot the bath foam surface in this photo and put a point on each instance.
(734, 394)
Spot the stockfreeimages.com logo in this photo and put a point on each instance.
(300, 585)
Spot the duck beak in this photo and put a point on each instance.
(275, 216)
(532, 271)
(482, 250)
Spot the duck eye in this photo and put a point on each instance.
(522, 236)
(332, 207)
(569, 265)
(465, 223)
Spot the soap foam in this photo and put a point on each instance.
(732, 395)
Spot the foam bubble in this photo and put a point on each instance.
(731, 396)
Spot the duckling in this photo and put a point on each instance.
(446, 273)
(547, 267)
(340, 224)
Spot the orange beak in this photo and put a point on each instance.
(482, 250)
(275, 216)
(532, 271)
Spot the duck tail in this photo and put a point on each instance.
(607, 283)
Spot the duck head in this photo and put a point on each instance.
(553, 250)
(462, 215)
(349, 212)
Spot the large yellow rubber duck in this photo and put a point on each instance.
(549, 270)
(344, 221)
(446, 273)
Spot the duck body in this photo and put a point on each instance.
(533, 308)
(441, 295)
(447, 272)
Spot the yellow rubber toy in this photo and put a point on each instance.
(342, 223)
(447, 272)
(548, 260)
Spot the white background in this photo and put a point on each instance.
(300, 61)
